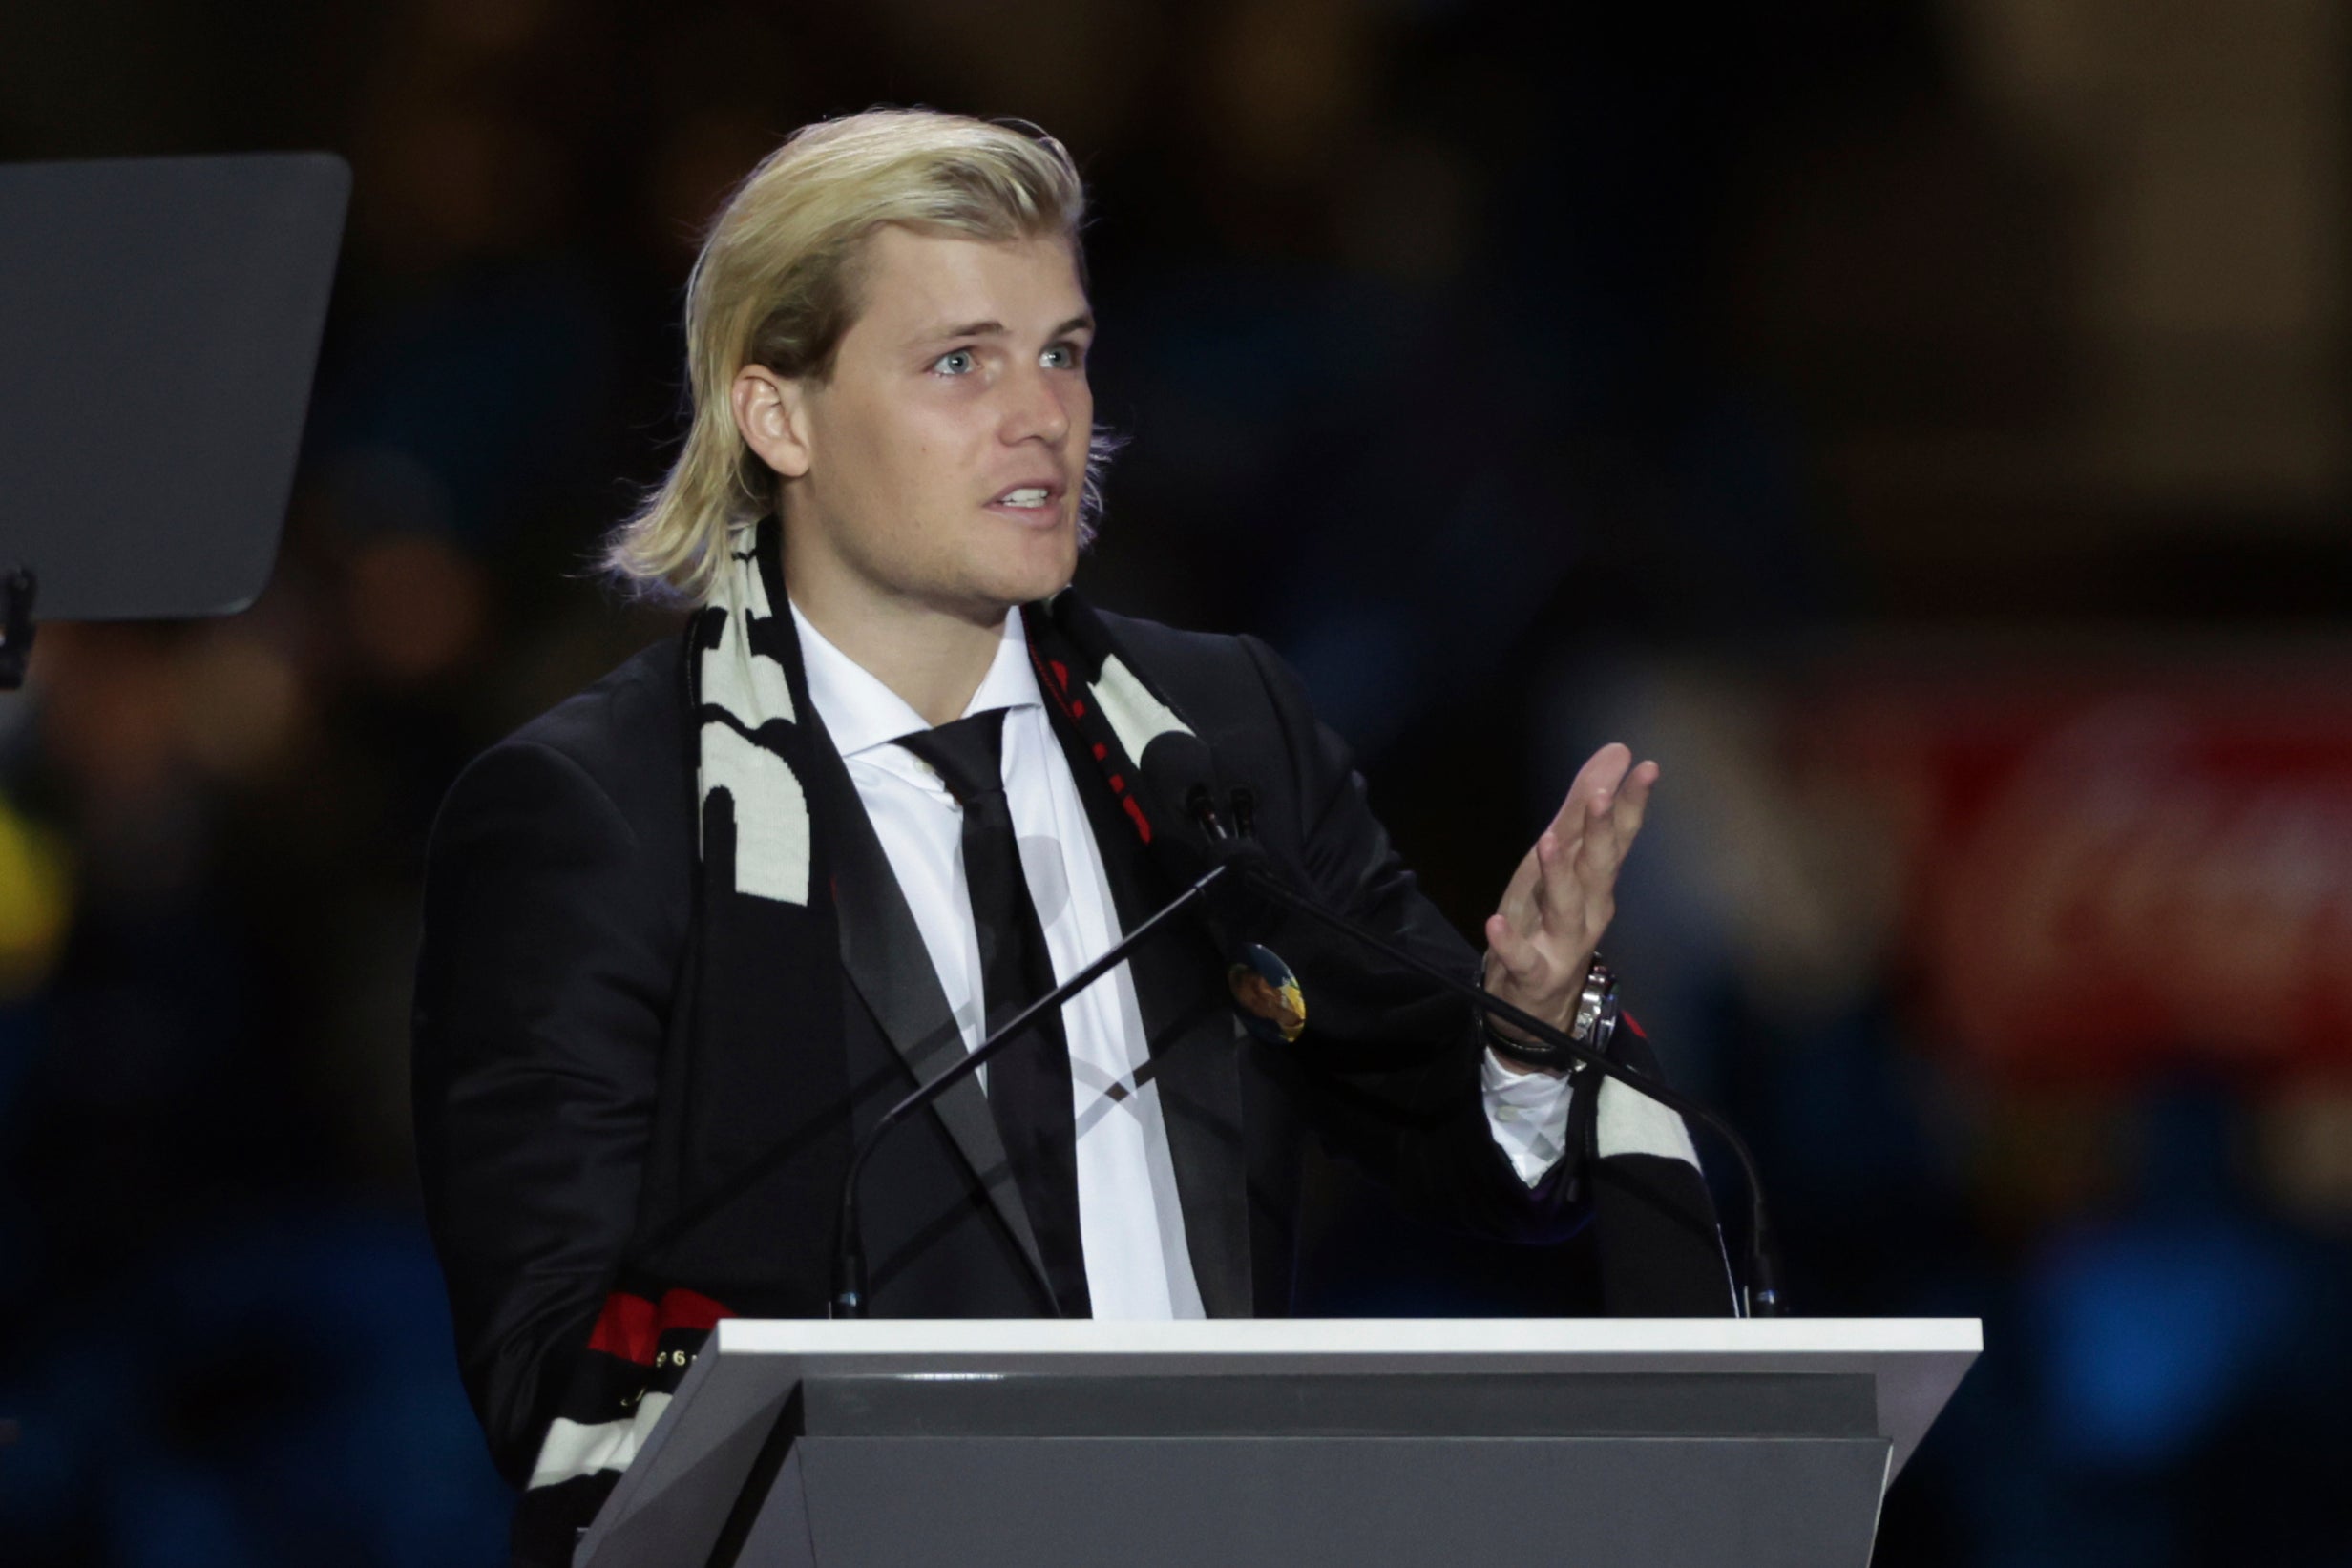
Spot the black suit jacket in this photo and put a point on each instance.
(570, 1144)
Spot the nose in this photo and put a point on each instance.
(1036, 407)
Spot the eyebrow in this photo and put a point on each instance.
(1083, 321)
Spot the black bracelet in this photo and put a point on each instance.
(1595, 1021)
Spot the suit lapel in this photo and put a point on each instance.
(1195, 1054)
(883, 951)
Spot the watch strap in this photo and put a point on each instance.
(1592, 1024)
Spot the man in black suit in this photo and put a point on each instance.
(689, 934)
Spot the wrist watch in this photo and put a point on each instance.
(1593, 1022)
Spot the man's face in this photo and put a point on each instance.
(945, 455)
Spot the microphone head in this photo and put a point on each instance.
(1180, 777)
(1386, 1016)
(1198, 830)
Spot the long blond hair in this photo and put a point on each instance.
(777, 284)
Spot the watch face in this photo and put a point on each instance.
(1273, 1007)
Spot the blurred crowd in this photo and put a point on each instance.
(1849, 404)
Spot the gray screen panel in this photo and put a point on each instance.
(159, 322)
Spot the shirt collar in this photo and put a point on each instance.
(861, 713)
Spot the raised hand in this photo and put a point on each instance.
(1542, 937)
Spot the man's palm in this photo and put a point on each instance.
(1541, 939)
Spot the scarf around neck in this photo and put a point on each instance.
(766, 962)
(758, 835)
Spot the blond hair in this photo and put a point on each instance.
(777, 284)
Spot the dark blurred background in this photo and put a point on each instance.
(1920, 424)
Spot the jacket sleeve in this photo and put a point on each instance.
(542, 989)
(1389, 1066)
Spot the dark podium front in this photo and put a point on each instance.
(1684, 1443)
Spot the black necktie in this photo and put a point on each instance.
(1029, 1080)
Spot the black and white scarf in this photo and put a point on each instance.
(768, 944)
(767, 949)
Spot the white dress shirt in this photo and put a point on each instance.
(1130, 1224)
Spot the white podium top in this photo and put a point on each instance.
(1915, 1362)
(751, 1366)
(1712, 1338)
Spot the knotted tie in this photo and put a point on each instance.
(1029, 1086)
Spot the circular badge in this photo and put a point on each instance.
(1273, 1007)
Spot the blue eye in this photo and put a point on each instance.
(1070, 358)
(956, 362)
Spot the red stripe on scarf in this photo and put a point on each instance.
(1073, 709)
(631, 1326)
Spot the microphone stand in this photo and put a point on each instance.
(850, 1283)
(1238, 846)
(1763, 1288)
(1239, 855)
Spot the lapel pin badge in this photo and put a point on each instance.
(1273, 1008)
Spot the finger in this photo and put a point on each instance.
(1633, 801)
(1597, 862)
(1560, 894)
(1600, 835)
(1616, 821)
(1600, 775)
(1518, 902)
(1523, 899)
(1599, 909)
(1516, 954)
(1604, 854)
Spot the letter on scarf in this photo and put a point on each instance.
(1631, 1122)
(771, 812)
(772, 815)
(747, 683)
(1136, 715)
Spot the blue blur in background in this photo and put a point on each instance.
(1530, 375)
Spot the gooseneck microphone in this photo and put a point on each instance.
(1763, 1274)
(1238, 880)
(1184, 762)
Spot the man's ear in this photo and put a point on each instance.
(771, 414)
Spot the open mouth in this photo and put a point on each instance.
(1027, 498)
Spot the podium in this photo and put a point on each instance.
(1666, 1443)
